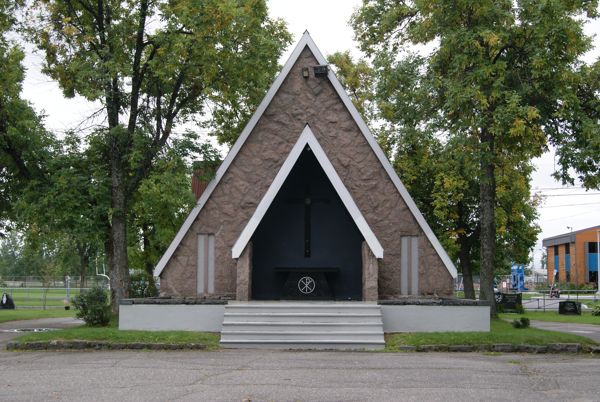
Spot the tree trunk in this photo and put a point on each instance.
(148, 265)
(487, 200)
(119, 276)
(465, 266)
(84, 263)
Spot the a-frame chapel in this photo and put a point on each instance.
(305, 207)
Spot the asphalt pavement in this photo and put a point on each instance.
(588, 330)
(265, 375)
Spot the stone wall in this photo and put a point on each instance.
(298, 102)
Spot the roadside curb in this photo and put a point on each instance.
(507, 348)
(100, 345)
(569, 348)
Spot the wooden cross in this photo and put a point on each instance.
(308, 200)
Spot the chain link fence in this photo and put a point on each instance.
(32, 292)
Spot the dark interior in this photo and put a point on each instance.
(307, 226)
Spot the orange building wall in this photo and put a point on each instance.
(581, 238)
(550, 263)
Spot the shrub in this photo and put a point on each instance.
(92, 306)
(142, 285)
(596, 310)
(521, 323)
(519, 309)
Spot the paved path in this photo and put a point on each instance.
(7, 328)
(588, 330)
(259, 375)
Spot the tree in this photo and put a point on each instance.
(358, 79)
(506, 75)
(162, 203)
(24, 143)
(70, 203)
(440, 172)
(153, 66)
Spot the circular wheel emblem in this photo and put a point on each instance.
(306, 285)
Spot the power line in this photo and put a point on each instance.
(568, 205)
(567, 217)
(570, 195)
(555, 188)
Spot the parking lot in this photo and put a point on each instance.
(259, 375)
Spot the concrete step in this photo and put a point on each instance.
(281, 316)
(370, 336)
(295, 345)
(304, 308)
(300, 326)
(296, 325)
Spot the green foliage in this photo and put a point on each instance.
(513, 68)
(154, 66)
(158, 210)
(358, 79)
(24, 143)
(596, 310)
(520, 309)
(441, 170)
(504, 77)
(521, 323)
(142, 285)
(563, 286)
(92, 306)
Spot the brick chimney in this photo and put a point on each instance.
(199, 183)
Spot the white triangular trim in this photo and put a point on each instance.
(306, 40)
(307, 138)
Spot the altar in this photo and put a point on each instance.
(302, 283)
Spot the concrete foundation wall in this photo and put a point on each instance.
(209, 318)
(173, 317)
(410, 318)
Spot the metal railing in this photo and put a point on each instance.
(545, 302)
(57, 282)
(41, 298)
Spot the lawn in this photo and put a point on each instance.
(34, 297)
(16, 315)
(586, 317)
(114, 335)
(501, 332)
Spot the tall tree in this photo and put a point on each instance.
(440, 171)
(505, 73)
(154, 65)
(70, 202)
(24, 143)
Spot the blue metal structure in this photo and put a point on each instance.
(517, 277)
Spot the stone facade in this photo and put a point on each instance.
(244, 275)
(300, 101)
(370, 282)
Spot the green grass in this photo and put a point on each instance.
(530, 295)
(586, 317)
(501, 332)
(34, 297)
(114, 335)
(17, 315)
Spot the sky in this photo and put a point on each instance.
(564, 208)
